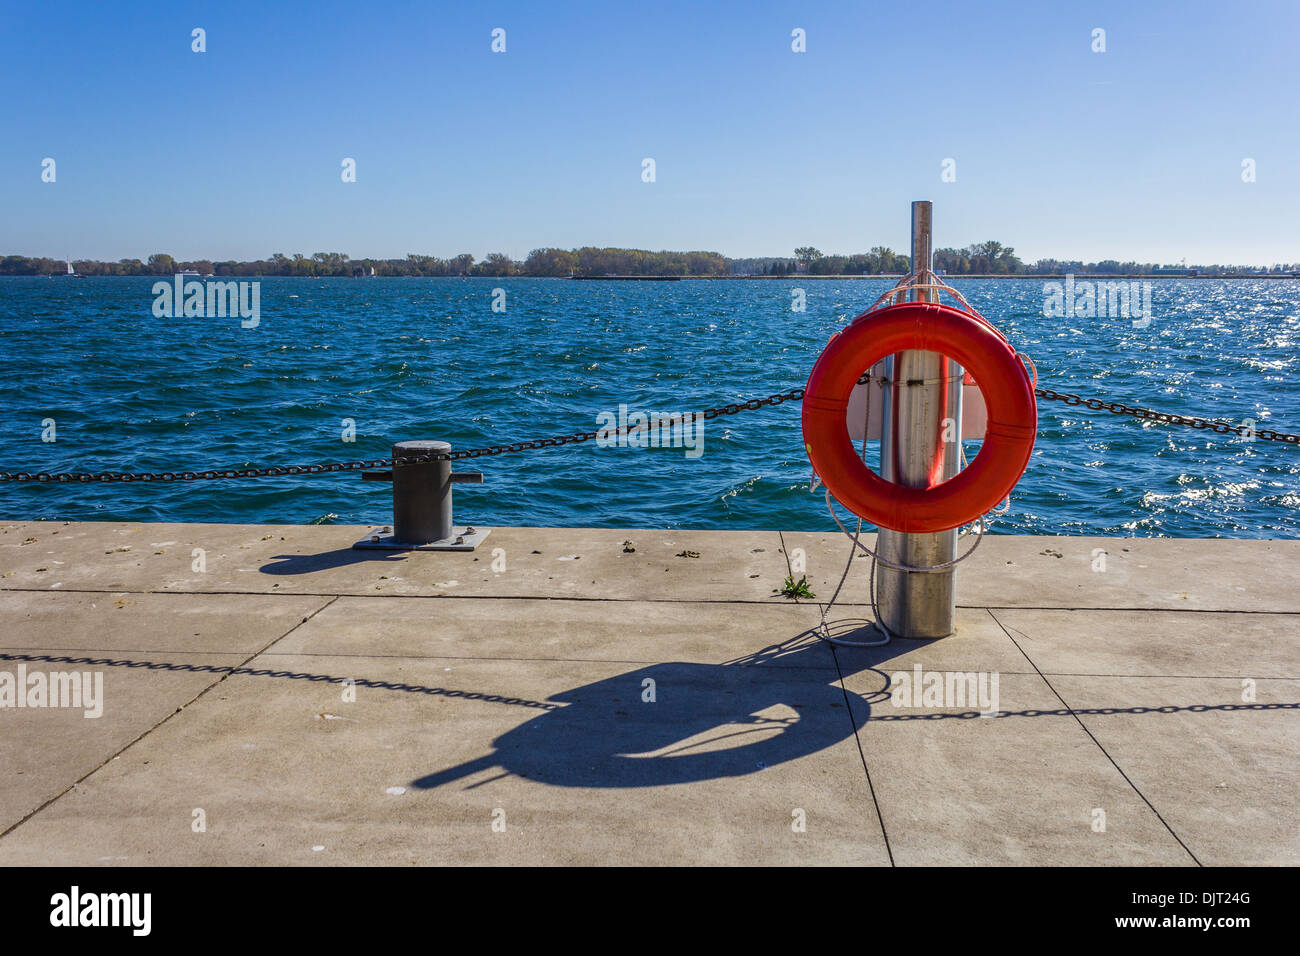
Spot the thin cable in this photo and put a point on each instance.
(1033, 369)
(916, 569)
(823, 630)
(926, 279)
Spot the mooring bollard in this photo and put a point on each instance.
(422, 502)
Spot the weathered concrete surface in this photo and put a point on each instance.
(1063, 572)
(1220, 772)
(1005, 571)
(156, 654)
(663, 565)
(604, 705)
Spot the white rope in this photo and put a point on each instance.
(915, 569)
(909, 283)
(823, 629)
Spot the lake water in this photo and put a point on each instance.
(429, 358)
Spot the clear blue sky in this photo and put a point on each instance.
(1134, 153)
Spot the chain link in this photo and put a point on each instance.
(1150, 414)
(709, 414)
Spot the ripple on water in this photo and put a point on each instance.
(423, 358)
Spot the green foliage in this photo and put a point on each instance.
(161, 264)
(496, 264)
(550, 262)
(796, 589)
(981, 258)
(592, 261)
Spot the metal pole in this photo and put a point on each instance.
(922, 407)
(422, 494)
(422, 503)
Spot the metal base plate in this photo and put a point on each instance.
(462, 539)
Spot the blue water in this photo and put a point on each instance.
(428, 358)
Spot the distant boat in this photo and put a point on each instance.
(189, 272)
(70, 274)
(372, 272)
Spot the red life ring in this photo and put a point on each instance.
(978, 347)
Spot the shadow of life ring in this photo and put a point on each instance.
(980, 349)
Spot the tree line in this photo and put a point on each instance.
(982, 258)
(587, 261)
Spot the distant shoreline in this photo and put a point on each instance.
(983, 260)
(1086, 276)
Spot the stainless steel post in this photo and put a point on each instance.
(922, 408)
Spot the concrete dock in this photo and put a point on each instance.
(559, 696)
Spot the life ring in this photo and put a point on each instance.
(979, 348)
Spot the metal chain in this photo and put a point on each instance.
(732, 408)
(708, 414)
(1150, 414)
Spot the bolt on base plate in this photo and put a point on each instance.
(462, 539)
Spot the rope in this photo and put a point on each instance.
(908, 284)
(823, 629)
